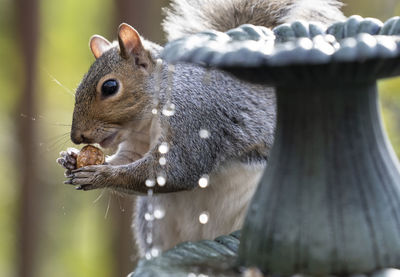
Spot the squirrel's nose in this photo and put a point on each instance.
(78, 137)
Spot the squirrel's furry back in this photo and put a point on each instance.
(185, 17)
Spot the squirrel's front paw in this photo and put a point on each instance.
(90, 177)
(68, 159)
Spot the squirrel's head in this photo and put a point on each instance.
(113, 93)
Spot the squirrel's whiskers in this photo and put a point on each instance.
(108, 207)
(58, 144)
(99, 197)
(43, 120)
(66, 89)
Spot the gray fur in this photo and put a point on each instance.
(185, 17)
(239, 116)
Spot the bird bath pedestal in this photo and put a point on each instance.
(329, 200)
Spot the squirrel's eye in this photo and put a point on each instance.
(109, 87)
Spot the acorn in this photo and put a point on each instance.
(89, 155)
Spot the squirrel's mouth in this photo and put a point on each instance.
(107, 142)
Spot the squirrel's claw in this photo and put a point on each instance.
(84, 187)
(67, 159)
(64, 163)
(90, 177)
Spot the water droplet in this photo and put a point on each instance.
(253, 271)
(171, 70)
(159, 213)
(203, 181)
(148, 255)
(204, 134)
(169, 109)
(203, 218)
(207, 77)
(161, 181)
(150, 183)
(155, 252)
(149, 238)
(162, 161)
(148, 217)
(389, 272)
(154, 111)
(163, 148)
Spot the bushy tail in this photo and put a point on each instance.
(185, 17)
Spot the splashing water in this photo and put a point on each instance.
(149, 238)
(195, 275)
(159, 213)
(148, 255)
(150, 183)
(204, 217)
(161, 180)
(148, 216)
(152, 253)
(155, 251)
(162, 161)
(171, 71)
(207, 77)
(204, 134)
(169, 109)
(204, 181)
(163, 148)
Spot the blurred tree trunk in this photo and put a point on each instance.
(29, 216)
(145, 17)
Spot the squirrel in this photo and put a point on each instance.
(114, 105)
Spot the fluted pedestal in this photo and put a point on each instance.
(329, 201)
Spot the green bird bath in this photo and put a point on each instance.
(329, 200)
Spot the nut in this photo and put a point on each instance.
(89, 155)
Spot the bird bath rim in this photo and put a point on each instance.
(273, 56)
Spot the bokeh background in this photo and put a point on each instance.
(47, 228)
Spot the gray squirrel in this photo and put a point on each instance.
(114, 105)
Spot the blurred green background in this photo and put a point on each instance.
(47, 228)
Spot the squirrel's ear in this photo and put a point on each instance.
(129, 41)
(99, 45)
